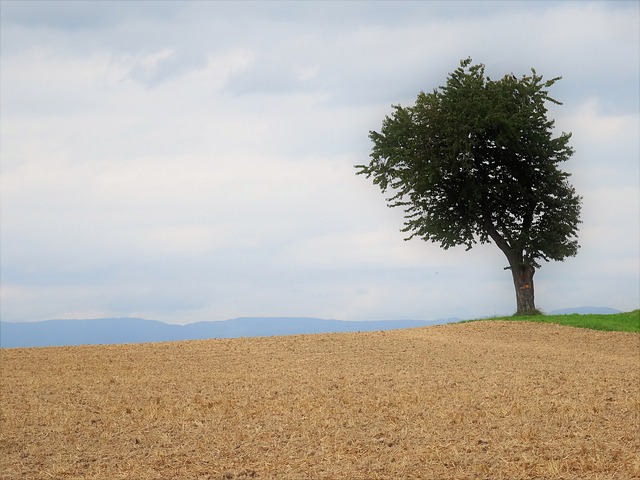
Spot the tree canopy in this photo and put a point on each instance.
(476, 161)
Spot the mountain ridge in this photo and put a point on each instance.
(584, 310)
(119, 330)
(104, 331)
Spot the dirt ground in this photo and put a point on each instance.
(480, 400)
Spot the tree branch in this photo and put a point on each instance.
(500, 241)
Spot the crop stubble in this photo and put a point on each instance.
(494, 400)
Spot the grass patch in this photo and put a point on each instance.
(617, 322)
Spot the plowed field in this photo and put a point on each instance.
(480, 400)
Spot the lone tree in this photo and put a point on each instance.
(475, 161)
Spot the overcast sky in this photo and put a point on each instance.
(194, 161)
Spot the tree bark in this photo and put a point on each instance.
(523, 283)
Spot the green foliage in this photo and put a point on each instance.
(476, 160)
(618, 322)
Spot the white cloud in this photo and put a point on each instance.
(199, 165)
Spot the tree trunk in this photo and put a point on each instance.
(523, 282)
(522, 272)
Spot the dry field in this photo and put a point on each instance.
(480, 400)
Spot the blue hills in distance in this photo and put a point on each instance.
(585, 310)
(104, 331)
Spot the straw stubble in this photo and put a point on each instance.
(494, 400)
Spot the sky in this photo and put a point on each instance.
(194, 161)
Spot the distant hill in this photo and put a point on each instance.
(585, 310)
(137, 330)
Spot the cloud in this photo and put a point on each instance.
(194, 160)
(165, 64)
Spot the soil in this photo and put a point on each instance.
(478, 400)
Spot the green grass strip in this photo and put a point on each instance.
(616, 322)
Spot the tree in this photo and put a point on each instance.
(476, 161)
